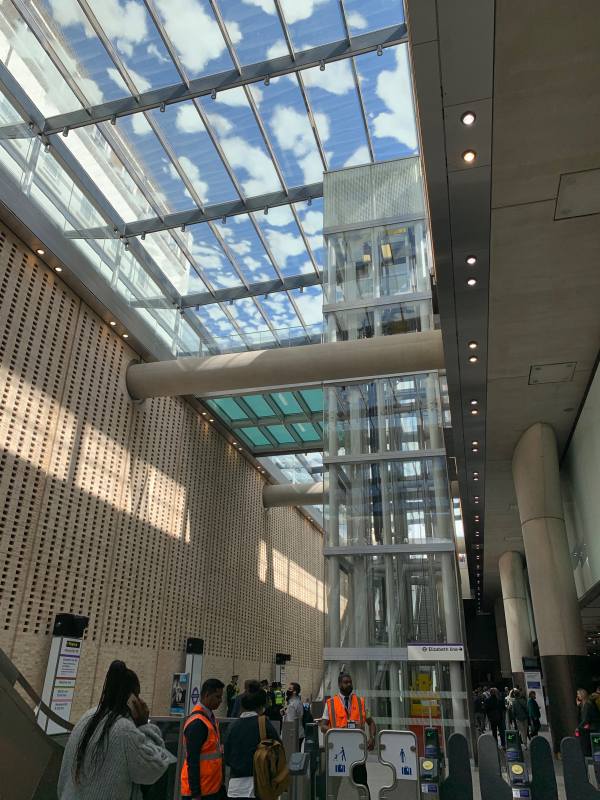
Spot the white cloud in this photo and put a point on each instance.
(193, 173)
(279, 48)
(293, 10)
(125, 47)
(293, 132)
(311, 307)
(313, 221)
(125, 22)
(195, 33)
(221, 124)
(188, 120)
(394, 89)
(153, 50)
(142, 85)
(140, 125)
(241, 155)
(285, 245)
(241, 248)
(280, 216)
(236, 97)
(356, 20)
(336, 78)
(360, 156)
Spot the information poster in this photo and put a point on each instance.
(179, 690)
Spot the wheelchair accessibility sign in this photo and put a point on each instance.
(345, 747)
(399, 750)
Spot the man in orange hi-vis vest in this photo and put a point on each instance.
(202, 771)
(347, 710)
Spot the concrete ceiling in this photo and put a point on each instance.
(544, 283)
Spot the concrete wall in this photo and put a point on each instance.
(143, 518)
(581, 480)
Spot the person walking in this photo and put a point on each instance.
(294, 709)
(113, 748)
(521, 716)
(479, 711)
(510, 699)
(202, 772)
(347, 710)
(242, 740)
(231, 692)
(535, 714)
(494, 709)
(589, 720)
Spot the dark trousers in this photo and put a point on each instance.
(497, 727)
(535, 727)
(359, 774)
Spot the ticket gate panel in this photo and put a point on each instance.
(543, 778)
(344, 749)
(577, 784)
(459, 783)
(492, 784)
(398, 750)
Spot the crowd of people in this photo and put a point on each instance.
(508, 708)
(114, 749)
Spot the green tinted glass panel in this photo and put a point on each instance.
(255, 436)
(287, 402)
(313, 399)
(259, 405)
(228, 407)
(281, 433)
(308, 433)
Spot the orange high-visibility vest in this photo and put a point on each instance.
(338, 717)
(211, 757)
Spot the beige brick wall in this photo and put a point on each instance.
(143, 518)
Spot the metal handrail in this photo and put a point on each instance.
(13, 676)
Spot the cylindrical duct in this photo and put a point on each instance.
(292, 494)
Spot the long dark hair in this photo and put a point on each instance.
(119, 685)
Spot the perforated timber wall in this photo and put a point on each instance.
(142, 518)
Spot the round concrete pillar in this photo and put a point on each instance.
(502, 636)
(514, 598)
(555, 607)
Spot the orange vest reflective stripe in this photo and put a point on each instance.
(211, 757)
(339, 718)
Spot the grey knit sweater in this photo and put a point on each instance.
(133, 756)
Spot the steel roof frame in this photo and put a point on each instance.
(201, 87)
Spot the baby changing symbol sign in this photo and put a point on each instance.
(340, 759)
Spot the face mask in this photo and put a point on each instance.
(289, 694)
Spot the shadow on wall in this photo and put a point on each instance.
(217, 575)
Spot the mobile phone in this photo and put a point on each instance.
(131, 705)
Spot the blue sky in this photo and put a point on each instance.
(194, 133)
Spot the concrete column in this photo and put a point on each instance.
(514, 596)
(293, 494)
(502, 636)
(561, 640)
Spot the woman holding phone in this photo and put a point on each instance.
(113, 748)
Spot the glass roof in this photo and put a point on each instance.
(241, 142)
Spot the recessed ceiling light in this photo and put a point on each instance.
(473, 359)
(469, 156)
(57, 269)
(204, 414)
(474, 402)
(112, 323)
(211, 420)
(472, 282)
(468, 118)
(475, 443)
(40, 251)
(474, 450)
(471, 260)
(475, 478)
(126, 336)
(476, 474)
(472, 345)
(239, 448)
(474, 412)
(234, 443)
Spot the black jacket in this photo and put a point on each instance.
(242, 740)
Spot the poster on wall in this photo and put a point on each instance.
(179, 690)
(533, 683)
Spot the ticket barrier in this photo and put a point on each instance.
(595, 741)
(431, 765)
(517, 770)
(577, 782)
(300, 777)
(398, 750)
(535, 781)
(345, 749)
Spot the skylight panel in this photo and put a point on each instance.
(247, 251)
(291, 132)
(215, 321)
(256, 25)
(386, 83)
(186, 134)
(363, 17)
(310, 303)
(208, 255)
(247, 314)
(195, 36)
(282, 315)
(173, 261)
(313, 22)
(285, 242)
(338, 117)
(241, 141)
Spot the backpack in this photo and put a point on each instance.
(271, 776)
(307, 717)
